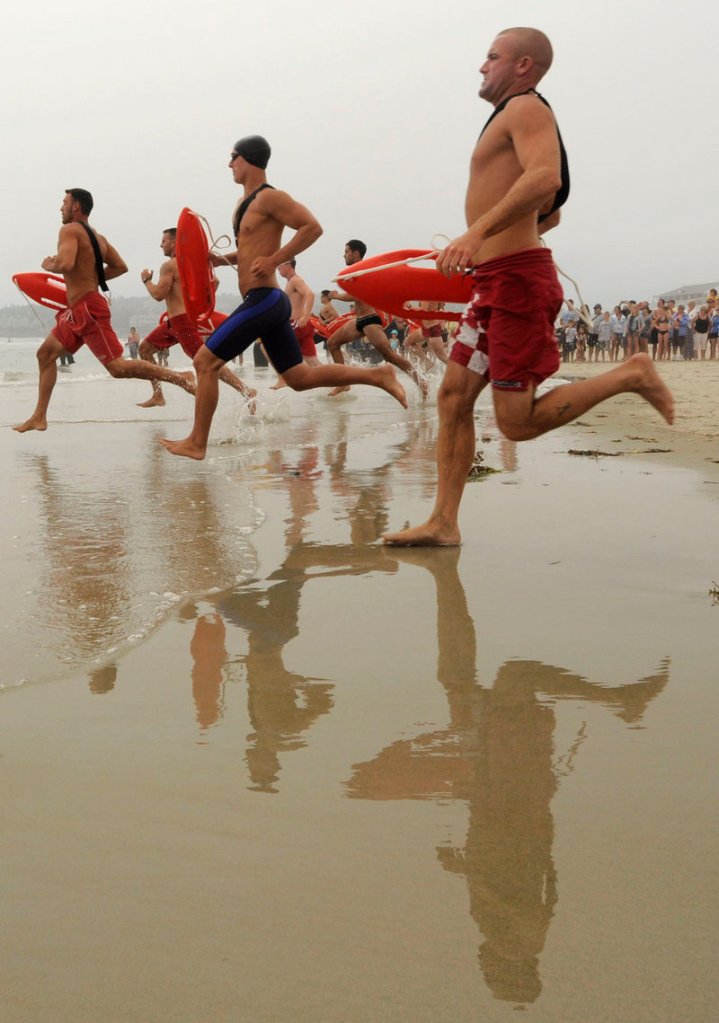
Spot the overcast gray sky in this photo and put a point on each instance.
(371, 109)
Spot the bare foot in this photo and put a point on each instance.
(185, 448)
(33, 423)
(651, 387)
(280, 383)
(387, 380)
(429, 534)
(156, 399)
(338, 390)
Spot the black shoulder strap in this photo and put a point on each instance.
(99, 265)
(242, 208)
(500, 106)
(563, 193)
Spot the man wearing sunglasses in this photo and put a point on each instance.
(258, 224)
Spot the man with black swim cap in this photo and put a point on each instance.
(258, 224)
(254, 149)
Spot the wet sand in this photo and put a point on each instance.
(260, 767)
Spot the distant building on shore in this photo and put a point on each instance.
(689, 292)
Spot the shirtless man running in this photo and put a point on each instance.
(428, 337)
(368, 324)
(87, 318)
(302, 298)
(518, 180)
(327, 312)
(265, 312)
(178, 328)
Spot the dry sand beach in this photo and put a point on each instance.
(255, 766)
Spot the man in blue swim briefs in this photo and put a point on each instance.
(265, 312)
(518, 180)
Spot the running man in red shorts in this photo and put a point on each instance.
(428, 337)
(86, 260)
(177, 327)
(518, 180)
(302, 298)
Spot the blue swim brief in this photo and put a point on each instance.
(264, 314)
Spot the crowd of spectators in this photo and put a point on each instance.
(670, 331)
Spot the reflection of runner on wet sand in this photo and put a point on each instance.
(209, 657)
(283, 704)
(85, 531)
(498, 754)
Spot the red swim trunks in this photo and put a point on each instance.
(87, 322)
(434, 331)
(305, 339)
(507, 330)
(177, 330)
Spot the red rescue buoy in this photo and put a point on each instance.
(46, 289)
(395, 287)
(193, 265)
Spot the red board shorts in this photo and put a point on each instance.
(434, 331)
(177, 330)
(87, 322)
(305, 339)
(507, 330)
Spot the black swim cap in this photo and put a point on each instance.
(254, 149)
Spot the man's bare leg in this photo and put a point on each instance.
(378, 339)
(249, 393)
(521, 417)
(208, 368)
(414, 344)
(456, 440)
(305, 378)
(437, 347)
(147, 352)
(345, 335)
(138, 369)
(309, 360)
(47, 355)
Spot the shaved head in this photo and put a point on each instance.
(530, 42)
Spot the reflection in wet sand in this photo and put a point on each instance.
(497, 754)
(282, 704)
(209, 656)
(85, 589)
